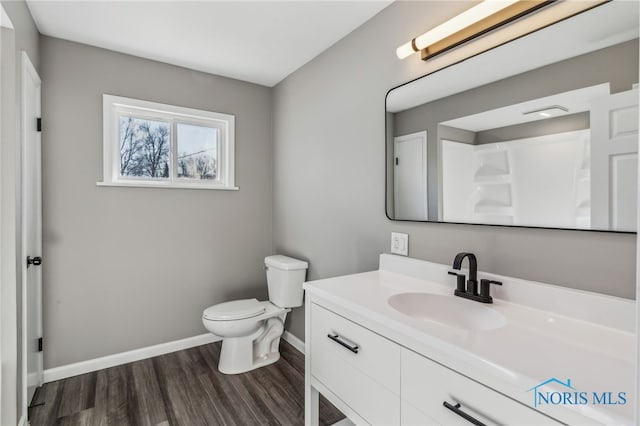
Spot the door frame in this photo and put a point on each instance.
(396, 139)
(637, 372)
(6, 23)
(28, 73)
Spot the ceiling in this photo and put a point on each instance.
(257, 41)
(579, 100)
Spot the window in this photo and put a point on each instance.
(158, 145)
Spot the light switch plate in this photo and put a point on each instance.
(400, 243)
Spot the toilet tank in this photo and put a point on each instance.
(285, 276)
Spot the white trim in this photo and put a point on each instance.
(3, 20)
(23, 421)
(29, 75)
(636, 413)
(162, 185)
(115, 106)
(294, 341)
(82, 367)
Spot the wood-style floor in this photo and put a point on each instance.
(181, 388)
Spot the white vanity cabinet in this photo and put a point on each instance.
(384, 363)
(377, 381)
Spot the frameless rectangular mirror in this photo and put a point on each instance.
(539, 132)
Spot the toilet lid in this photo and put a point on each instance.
(234, 310)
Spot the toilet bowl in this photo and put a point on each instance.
(251, 329)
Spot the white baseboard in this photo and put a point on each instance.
(293, 341)
(82, 367)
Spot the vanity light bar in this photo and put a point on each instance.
(476, 29)
(454, 26)
(486, 17)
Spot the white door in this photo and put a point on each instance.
(31, 229)
(410, 176)
(456, 174)
(614, 161)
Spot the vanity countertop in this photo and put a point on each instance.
(593, 347)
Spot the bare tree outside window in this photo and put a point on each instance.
(197, 152)
(144, 147)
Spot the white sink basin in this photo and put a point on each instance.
(448, 310)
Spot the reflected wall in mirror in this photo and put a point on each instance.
(541, 132)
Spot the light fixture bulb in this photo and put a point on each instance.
(405, 50)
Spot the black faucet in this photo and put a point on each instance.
(470, 291)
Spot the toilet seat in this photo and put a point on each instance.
(234, 310)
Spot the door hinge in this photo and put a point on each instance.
(39, 124)
(397, 161)
(40, 344)
(37, 261)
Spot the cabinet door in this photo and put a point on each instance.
(359, 366)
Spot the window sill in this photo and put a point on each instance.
(167, 186)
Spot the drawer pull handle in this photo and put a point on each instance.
(456, 409)
(344, 342)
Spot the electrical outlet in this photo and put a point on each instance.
(400, 243)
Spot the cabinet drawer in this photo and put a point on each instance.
(427, 385)
(366, 378)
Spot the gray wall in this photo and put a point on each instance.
(24, 37)
(560, 77)
(454, 134)
(132, 267)
(26, 33)
(9, 214)
(329, 175)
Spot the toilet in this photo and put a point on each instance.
(251, 329)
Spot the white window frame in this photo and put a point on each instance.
(115, 106)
